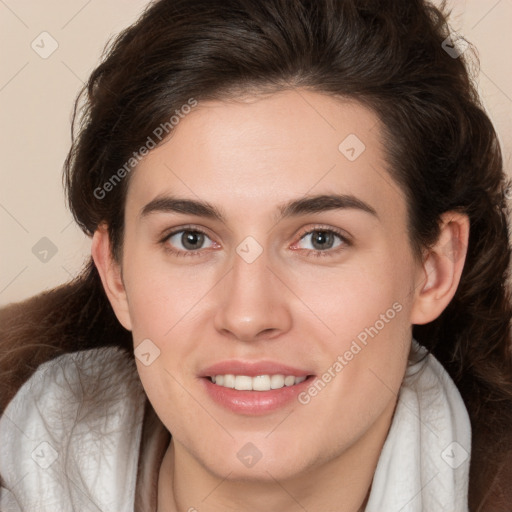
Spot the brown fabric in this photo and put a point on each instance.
(154, 443)
(499, 495)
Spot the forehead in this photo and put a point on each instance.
(264, 150)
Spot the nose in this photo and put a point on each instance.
(253, 302)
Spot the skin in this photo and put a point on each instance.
(246, 157)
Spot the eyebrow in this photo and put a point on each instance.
(294, 208)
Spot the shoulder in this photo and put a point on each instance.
(98, 375)
(428, 445)
(73, 429)
(75, 316)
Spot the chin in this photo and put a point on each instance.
(253, 460)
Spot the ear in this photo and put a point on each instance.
(441, 269)
(111, 276)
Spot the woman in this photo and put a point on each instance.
(298, 224)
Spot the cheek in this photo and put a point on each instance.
(160, 294)
(365, 309)
(372, 289)
(150, 307)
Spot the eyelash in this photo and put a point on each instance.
(310, 252)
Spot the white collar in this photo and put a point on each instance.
(70, 436)
(424, 464)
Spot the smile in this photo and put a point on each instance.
(258, 383)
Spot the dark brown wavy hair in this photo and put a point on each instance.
(442, 150)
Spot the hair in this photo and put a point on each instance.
(441, 148)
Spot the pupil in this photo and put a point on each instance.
(322, 240)
(190, 239)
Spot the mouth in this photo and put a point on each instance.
(254, 387)
(258, 383)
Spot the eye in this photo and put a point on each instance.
(321, 240)
(187, 241)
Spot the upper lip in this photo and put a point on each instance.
(252, 369)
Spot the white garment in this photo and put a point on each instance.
(424, 463)
(85, 410)
(69, 440)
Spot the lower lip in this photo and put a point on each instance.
(254, 403)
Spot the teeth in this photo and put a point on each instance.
(289, 380)
(243, 383)
(276, 381)
(229, 381)
(259, 383)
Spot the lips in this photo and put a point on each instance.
(249, 399)
(253, 369)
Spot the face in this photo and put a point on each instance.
(266, 238)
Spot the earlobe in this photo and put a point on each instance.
(441, 269)
(110, 273)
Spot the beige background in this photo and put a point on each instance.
(36, 98)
